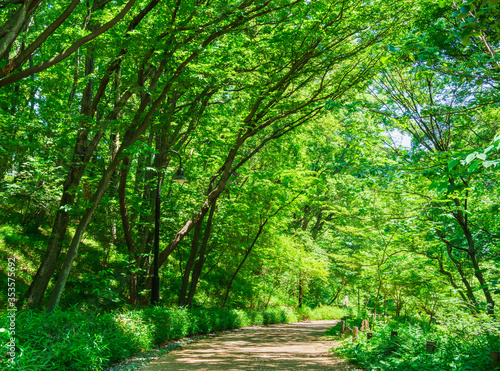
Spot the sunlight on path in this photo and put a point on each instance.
(297, 346)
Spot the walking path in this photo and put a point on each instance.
(297, 346)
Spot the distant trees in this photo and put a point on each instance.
(282, 112)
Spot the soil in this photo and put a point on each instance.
(298, 346)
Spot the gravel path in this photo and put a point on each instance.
(297, 346)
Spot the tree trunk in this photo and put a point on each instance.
(249, 250)
(201, 259)
(342, 285)
(127, 232)
(468, 288)
(75, 243)
(81, 156)
(130, 138)
(301, 292)
(189, 263)
(479, 273)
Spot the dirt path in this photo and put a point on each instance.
(297, 346)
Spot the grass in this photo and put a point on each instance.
(463, 342)
(79, 340)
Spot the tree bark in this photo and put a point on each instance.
(81, 155)
(247, 253)
(201, 259)
(66, 53)
(301, 291)
(127, 231)
(131, 138)
(190, 262)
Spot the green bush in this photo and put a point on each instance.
(304, 313)
(463, 342)
(79, 340)
(73, 340)
(278, 315)
(327, 313)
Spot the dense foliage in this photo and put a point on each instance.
(76, 340)
(338, 153)
(462, 342)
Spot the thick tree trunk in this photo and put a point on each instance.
(81, 156)
(75, 243)
(130, 138)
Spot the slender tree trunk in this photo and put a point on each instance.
(301, 291)
(127, 232)
(479, 273)
(463, 276)
(379, 288)
(190, 262)
(249, 250)
(449, 275)
(337, 294)
(201, 259)
(130, 138)
(462, 219)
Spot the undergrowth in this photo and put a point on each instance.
(79, 340)
(463, 343)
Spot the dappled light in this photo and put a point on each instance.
(174, 169)
(290, 347)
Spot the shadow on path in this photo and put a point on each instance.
(297, 346)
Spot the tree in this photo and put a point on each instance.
(441, 111)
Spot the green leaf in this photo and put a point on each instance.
(465, 9)
(443, 186)
(441, 4)
(482, 156)
(452, 164)
(489, 149)
(474, 166)
(487, 164)
(391, 48)
(470, 157)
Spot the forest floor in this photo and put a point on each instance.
(297, 346)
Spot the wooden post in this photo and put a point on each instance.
(369, 335)
(495, 359)
(394, 334)
(342, 327)
(430, 346)
(355, 333)
(347, 332)
(365, 325)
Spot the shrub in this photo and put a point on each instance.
(464, 343)
(304, 313)
(327, 313)
(79, 340)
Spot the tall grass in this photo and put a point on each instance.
(78, 340)
(463, 342)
